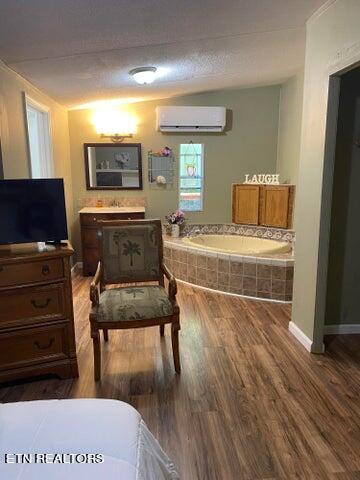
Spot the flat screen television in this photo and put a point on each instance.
(32, 211)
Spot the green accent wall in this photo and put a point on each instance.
(249, 145)
(290, 113)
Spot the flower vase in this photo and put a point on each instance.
(175, 230)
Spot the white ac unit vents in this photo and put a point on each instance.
(190, 119)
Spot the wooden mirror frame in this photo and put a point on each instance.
(89, 187)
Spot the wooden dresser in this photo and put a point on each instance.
(89, 217)
(36, 312)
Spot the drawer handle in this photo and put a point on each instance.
(44, 347)
(41, 305)
(45, 269)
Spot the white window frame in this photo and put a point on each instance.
(203, 176)
(45, 145)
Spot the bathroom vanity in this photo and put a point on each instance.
(89, 218)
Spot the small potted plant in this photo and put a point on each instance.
(175, 219)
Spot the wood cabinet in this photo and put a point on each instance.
(89, 219)
(268, 205)
(246, 200)
(36, 312)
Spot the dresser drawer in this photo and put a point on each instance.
(92, 218)
(31, 272)
(33, 345)
(32, 304)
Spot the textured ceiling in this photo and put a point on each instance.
(82, 50)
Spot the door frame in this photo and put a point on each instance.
(334, 78)
(46, 147)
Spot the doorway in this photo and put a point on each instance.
(343, 271)
(39, 139)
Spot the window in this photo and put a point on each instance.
(191, 182)
(38, 130)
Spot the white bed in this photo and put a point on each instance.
(85, 426)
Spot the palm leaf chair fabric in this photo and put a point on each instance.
(131, 251)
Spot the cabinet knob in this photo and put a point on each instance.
(94, 218)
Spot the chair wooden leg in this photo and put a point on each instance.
(175, 346)
(97, 355)
(162, 330)
(106, 335)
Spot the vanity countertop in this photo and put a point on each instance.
(94, 210)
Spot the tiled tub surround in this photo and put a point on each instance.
(281, 234)
(265, 277)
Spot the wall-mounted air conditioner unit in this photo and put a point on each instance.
(190, 119)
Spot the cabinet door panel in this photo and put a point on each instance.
(275, 205)
(91, 258)
(246, 204)
(90, 237)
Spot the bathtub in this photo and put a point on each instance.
(237, 244)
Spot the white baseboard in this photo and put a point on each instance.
(342, 329)
(300, 336)
(305, 340)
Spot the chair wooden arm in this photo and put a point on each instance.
(94, 290)
(172, 284)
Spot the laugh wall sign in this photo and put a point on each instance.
(262, 179)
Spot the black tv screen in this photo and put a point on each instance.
(32, 211)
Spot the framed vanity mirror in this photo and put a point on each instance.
(110, 166)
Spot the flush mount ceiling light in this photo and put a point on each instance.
(143, 75)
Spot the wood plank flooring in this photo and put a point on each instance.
(250, 402)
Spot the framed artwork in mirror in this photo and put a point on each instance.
(110, 166)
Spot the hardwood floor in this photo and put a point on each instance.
(250, 402)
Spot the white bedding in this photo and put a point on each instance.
(85, 426)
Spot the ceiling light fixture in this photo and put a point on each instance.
(143, 75)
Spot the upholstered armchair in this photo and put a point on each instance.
(132, 252)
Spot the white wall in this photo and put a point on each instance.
(13, 133)
(332, 43)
